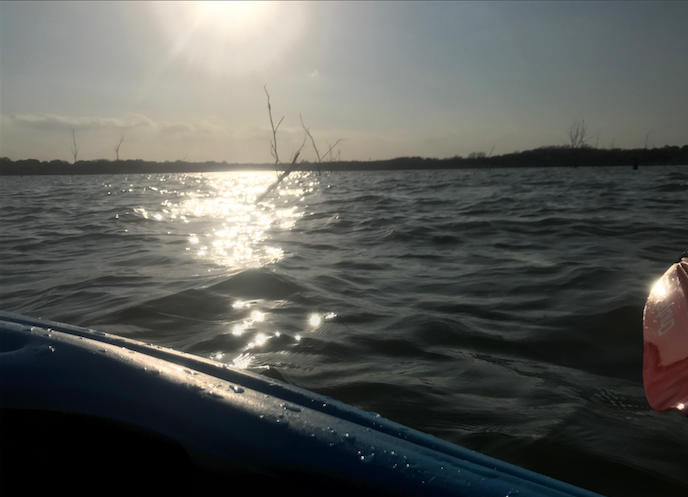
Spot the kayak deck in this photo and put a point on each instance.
(145, 407)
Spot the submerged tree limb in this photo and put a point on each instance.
(284, 174)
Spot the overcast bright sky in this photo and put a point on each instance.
(185, 80)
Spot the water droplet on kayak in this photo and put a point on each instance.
(290, 408)
(43, 350)
(366, 458)
(350, 437)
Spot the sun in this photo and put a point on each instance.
(236, 37)
(233, 20)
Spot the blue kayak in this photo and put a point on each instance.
(102, 404)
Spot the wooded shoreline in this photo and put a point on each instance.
(562, 156)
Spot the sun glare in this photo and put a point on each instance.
(235, 37)
(233, 20)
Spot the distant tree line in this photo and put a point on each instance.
(104, 166)
(552, 156)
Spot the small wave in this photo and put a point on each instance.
(678, 176)
(671, 188)
(258, 283)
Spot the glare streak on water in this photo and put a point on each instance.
(497, 309)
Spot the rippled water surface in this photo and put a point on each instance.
(497, 309)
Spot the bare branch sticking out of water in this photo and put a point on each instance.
(75, 147)
(283, 175)
(308, 134)
(273, 150)
(317, 154)
(578, 135)
(329, 150)
(298, 151)
(117, 147)
(273, 143)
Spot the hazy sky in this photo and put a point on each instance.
(185, 80)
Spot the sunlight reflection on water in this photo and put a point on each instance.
(221, 224)
(225, 225)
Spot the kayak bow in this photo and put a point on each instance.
(229, 421)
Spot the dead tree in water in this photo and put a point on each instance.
(578, 134)
(328, 154)
(275, 154)
(579, 138)
(315, 148)
(273, 142)
(75, 147)
(117, 147)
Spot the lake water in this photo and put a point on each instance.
(497, 309)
